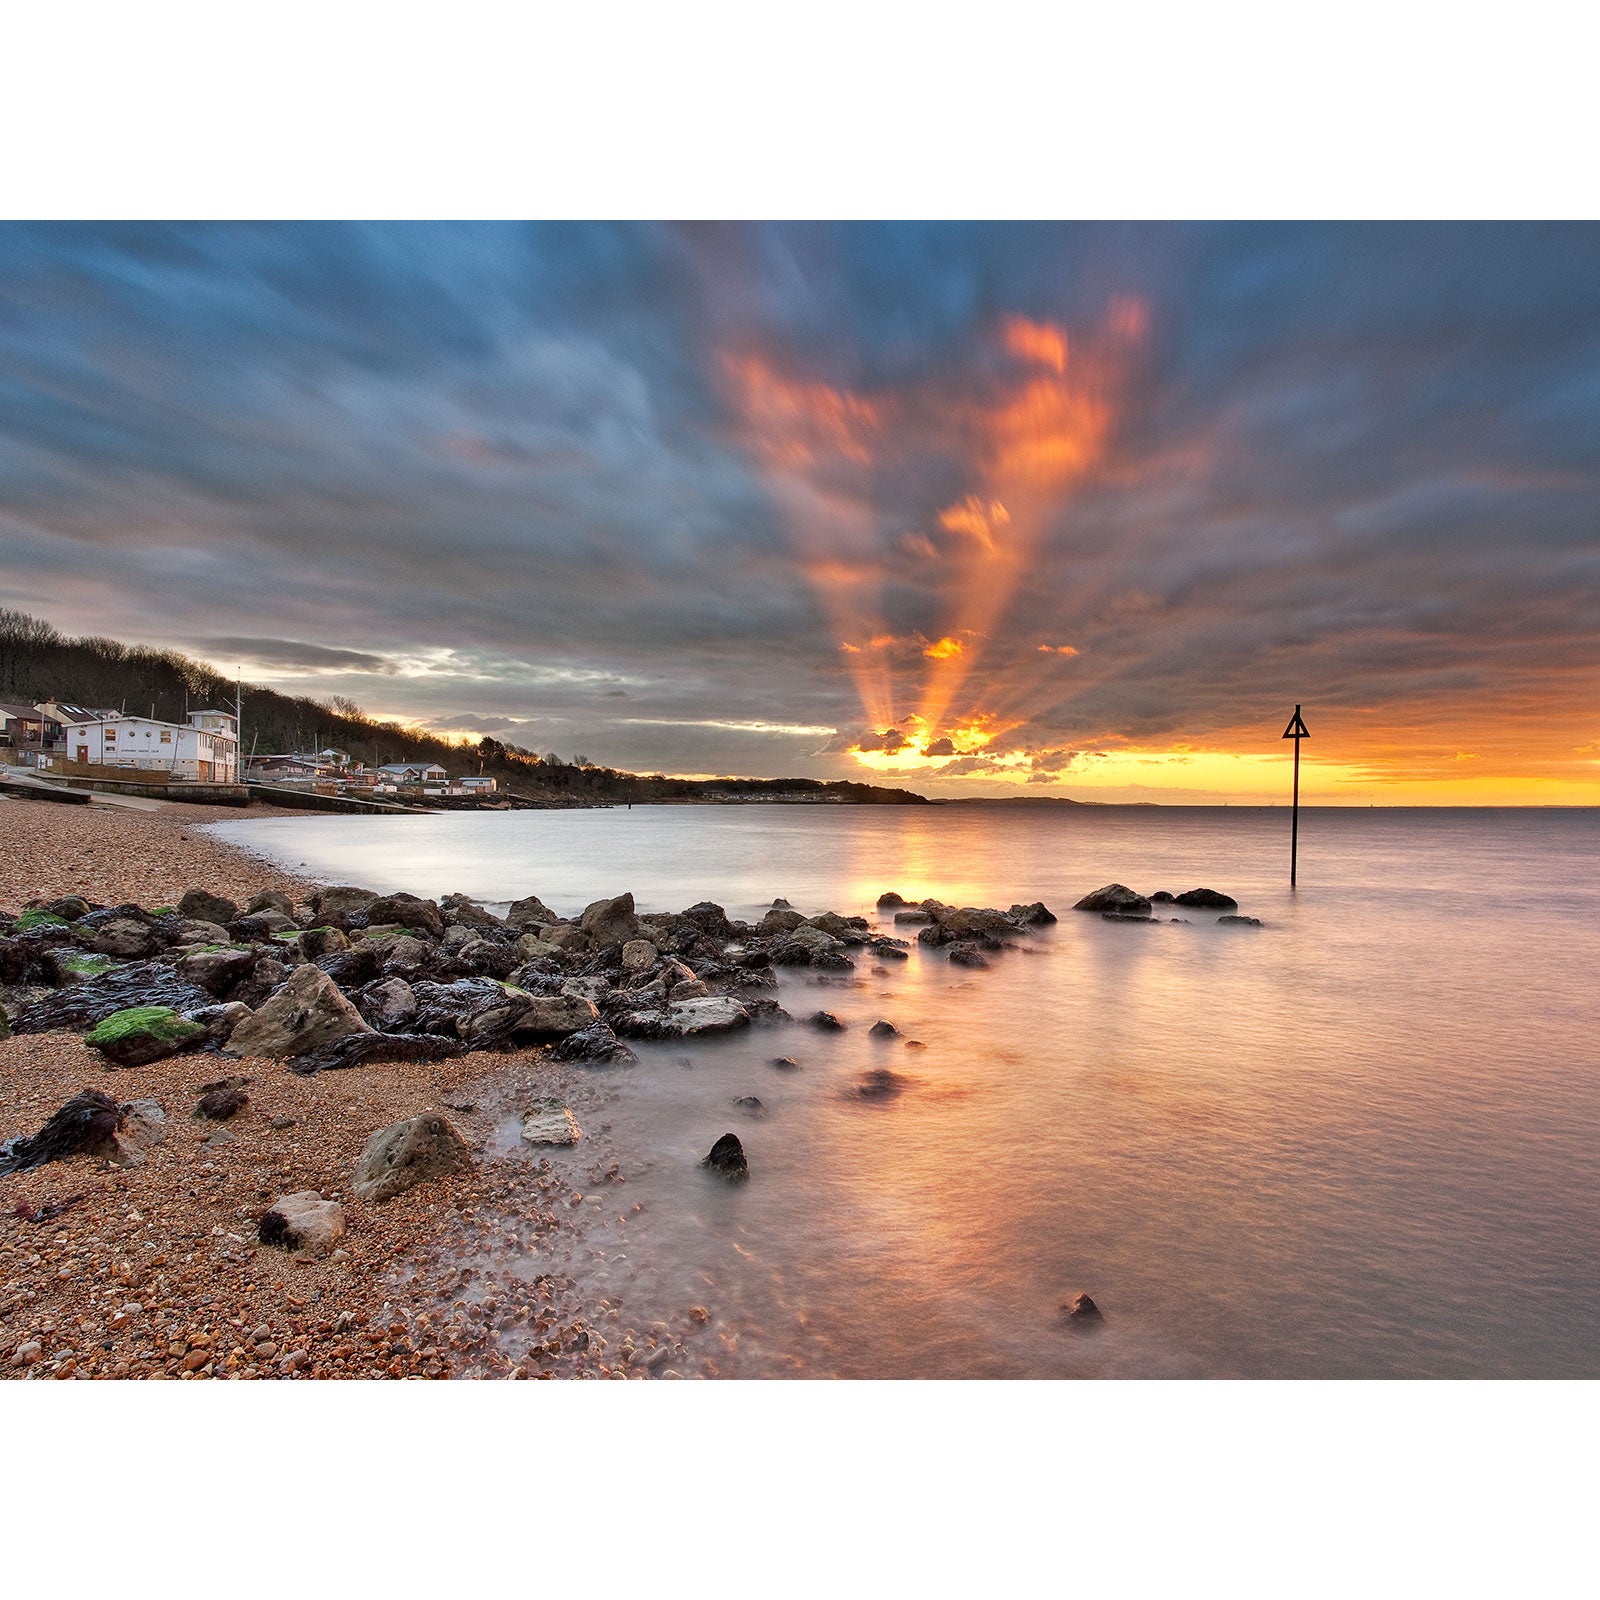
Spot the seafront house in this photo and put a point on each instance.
(398, 772)
(478, 785)
(205, 749)
(23, 728)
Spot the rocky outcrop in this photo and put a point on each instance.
(549, 1122)
(1115, 897)
(307, 1014)
(1207, 900)
(407, 1153)
(314, 943)
(610, 921)
(303, 1221)
(727, 1159)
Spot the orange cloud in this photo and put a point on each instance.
(1038, 342)
(1058, 649)
(943, 649)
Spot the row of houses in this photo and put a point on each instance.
(333, 772)
(55, 735)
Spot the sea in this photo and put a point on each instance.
(1361, 1140)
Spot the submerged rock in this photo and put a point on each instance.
(1081, 1310)
(727, 1159)
(407, 1153)
(1206, 899)
(879, 1084)
(597, 1042)
(784, 1063)
(1115, 897)
(682, 1019)
(750, 1105)
(825, 1022)
(1239, 922)
(549, 1122)
(883, 1030)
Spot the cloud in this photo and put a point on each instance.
(294, 655)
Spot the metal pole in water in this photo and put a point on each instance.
(1297, 731)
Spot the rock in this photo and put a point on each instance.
(971, 922)
(407, 1153)
(357, 1048)
(727, 1159)
(555, 1016)
(610, 921)
(1239, 922)
(303, 1221)
(529, 912)
(966, 954)
(218, 971)
(1080, 1309)
(530, 947)
(403, 955)
(219, 1021)
(784, 1063)
(889, 900)
(204, 906)
(92, 1001)
(1129, 916)
(781, 919)
(260, 926)
(221, 1104)
(1038, 915)
(883, 1030)
(127, 940)
(408, 911)
(1161, 897)
(351, 968)
(804, 946)
(879, 1084)
(826, 1022)
(912, 918)
(682, 1019)
(1115, 897)
(550, 1122)
(142, 1034)
(460, 909)
(340, 904)
(87, 1125)
(307, 1014)
(750, 1105)
(597, 1042)
(317, 942)
(638, 955)
(264, 900)
(144, 1124)
(388, 1005)
(567, 936)
(487, 958)
(1207, 899)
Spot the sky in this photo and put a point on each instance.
(1074, 511)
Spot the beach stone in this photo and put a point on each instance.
(220, 1104)
(1080, 1309)
(727, 1159)
(316, 942)
(548, 1122)
(302, 1221)
(203, 906)
(407, 1153)
(883, 1030)
(1206, 899)
(144, 1124)
(1115, 897)
(127, 940)
(217, 971)
(610, 921)
(555, 1016)
(638, 955)
(409, 911)
(596, 1043)
(528, 912)
(338, 904)
(265, 900)
(388, 1005)
(191, 932)
(306, 1014)
(530, 947)
(259, 926)
(219, 1021)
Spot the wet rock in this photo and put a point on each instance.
(1239, 922)
(596, 1043)
(915, 917)
(388, 1005)
(804, 946)
(351, 968)
(203, 906)
(1115, 897)
(403, 955)
(144, 1124)
(356, 1049)
(549, 1122)
(307, 1014)
(883, 1030)
(220, 1104)
(1081, 1310)
(264, 900)
(727, 1159)
(141, 1034)
(555, 1016)
(568, 936)
(750, 1105)
(1129, 916)
(610, 921)
(1207, 900)
(879, 1084)
(964, 953)
(638, 955)
(1038, 915)
(315, 943)
(784, 1063)
(302, 1221)
(890, 900)
(86, 1125)
(127, 940)
(463, 910)
(343, 905)
(825, 1021)
(218, 971)
(90, 1002)
(407, 1153)
(218, 1021)
(408, 911)
(260, 926)
(970, 922)
(487, 958)
(682, 1019)
(529, 912)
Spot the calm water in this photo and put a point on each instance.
(1361, 1141)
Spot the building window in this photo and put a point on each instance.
(111, 735)
(166, 736)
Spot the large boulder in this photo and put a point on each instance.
(1115, 897)
(409, 912)
(142, 1034)
(202, 906)
(127, 940)
(217, 971)
(303, 1221)
(341, 903)
(1206, 899)
(555, 1016)
(407, 1153)
(530, 912)
(610, 921)
(683, 1019)
(388, 1005)
(307, 1014)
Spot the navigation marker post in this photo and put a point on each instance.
(1297, 731)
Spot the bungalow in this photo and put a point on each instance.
(414, 772)
(478, 785)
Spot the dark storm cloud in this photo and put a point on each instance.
(491, 472)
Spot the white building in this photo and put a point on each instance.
(204, 750)
(414, 772)
(478, 785)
